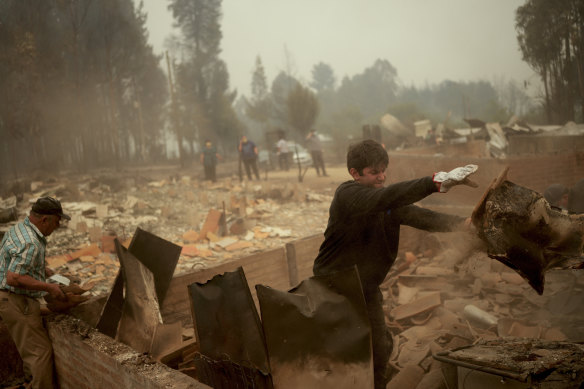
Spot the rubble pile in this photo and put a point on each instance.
(213, 222)
(444, 298)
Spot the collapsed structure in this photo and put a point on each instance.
(438, 298)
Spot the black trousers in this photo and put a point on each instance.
(382, 343)
(251, 164)
(210, 173)
(318, 162)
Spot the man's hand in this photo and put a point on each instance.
(56, 292)
(444, 181)
(49, 272)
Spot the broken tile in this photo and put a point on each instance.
(412, 353)
(408, 377)
(57, 260)
(406, 294)
(223, 243)
(191, 236)
(86, 259)
(425, 332)
(212, 237)
(512, 278)
(238, 227)
(423, 304)
(92, 250)
(211, 223)
(238, 246)
(190, 250)
(107, 243)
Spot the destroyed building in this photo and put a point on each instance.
(440, 297)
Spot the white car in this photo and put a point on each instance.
(299, 154)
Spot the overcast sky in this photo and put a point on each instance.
(425, 40)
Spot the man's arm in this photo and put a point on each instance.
(27, 282)
(360, 199)
(427, 220)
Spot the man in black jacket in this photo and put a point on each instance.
(363, 229)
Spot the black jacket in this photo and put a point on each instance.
(363, 227)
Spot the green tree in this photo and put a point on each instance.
(323, 77)
(259, 106)
(551, 39)
(302, 109)
(72, 73)
(371, 91)
(202, 77)
(281, 88)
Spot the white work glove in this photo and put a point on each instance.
(454, 177)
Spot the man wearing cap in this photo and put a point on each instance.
(22, 282)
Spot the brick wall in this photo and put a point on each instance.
(534, 172)
(542, 144)
(280, 269)
(87, 359)
(475, 148)
(267, 268)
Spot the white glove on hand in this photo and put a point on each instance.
(455, 177)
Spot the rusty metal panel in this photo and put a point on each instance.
(112, 309)
(140, 313)
(226, 321)
(318, 334)
(226, 374)
(160, 257)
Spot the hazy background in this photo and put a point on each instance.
(426, 40)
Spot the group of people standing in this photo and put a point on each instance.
(248, 153)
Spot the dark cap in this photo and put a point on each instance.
(49, 206)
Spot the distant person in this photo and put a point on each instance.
(283, 153)
(249, 156)
(557, 196)
(576, 199)
(430, 138)
(209, 159)
(22, 283)
(315, 147)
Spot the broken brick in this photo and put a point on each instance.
(92, 250)
(191, 236)
(190, 250)
(211, 223)
(107, 243)
(423, 304)
(238, 246)
(57, 260)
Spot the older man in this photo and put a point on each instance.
(22, 282)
